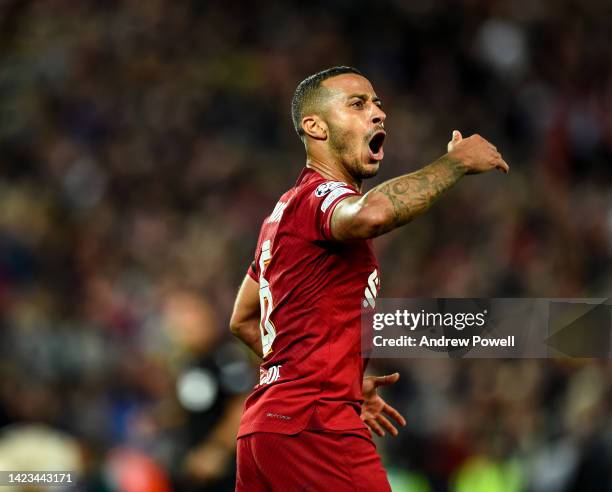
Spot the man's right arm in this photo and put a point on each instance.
(245, 319)
(397, 201)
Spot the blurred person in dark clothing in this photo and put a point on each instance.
(210, 387)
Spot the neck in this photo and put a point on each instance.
(333, 171)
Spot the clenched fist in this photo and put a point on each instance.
(477, 154)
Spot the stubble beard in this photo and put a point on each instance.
(344, 150)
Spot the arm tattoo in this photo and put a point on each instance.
(412, 194)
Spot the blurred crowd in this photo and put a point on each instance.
(141, 146)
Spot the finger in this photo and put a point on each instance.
(498, 162)
(372, 424)
(502, 165)
(394, 414)
(386, 380)
(384, 422)
(456, 138)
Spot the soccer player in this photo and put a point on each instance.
(305, 425)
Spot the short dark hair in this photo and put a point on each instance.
(307, 92)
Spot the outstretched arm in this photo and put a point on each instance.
(399, 200)
(244, 323)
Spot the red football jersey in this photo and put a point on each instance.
(311, 289)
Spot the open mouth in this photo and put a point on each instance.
(376, 146)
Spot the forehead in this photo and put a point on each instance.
(349, 83)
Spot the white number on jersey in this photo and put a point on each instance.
(266, 327)
(371, 290)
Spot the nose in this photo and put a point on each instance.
(378, 115)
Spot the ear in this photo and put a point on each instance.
(314, 127)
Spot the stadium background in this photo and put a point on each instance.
(141, 145)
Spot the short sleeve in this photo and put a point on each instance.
(252, 271)
(321, 202)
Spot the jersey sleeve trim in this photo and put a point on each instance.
(329, 204)
(252, 272)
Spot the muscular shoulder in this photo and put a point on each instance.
(315, 203)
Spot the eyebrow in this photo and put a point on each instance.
(364, 97)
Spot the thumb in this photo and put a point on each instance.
(455, 140)
(386, 380)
